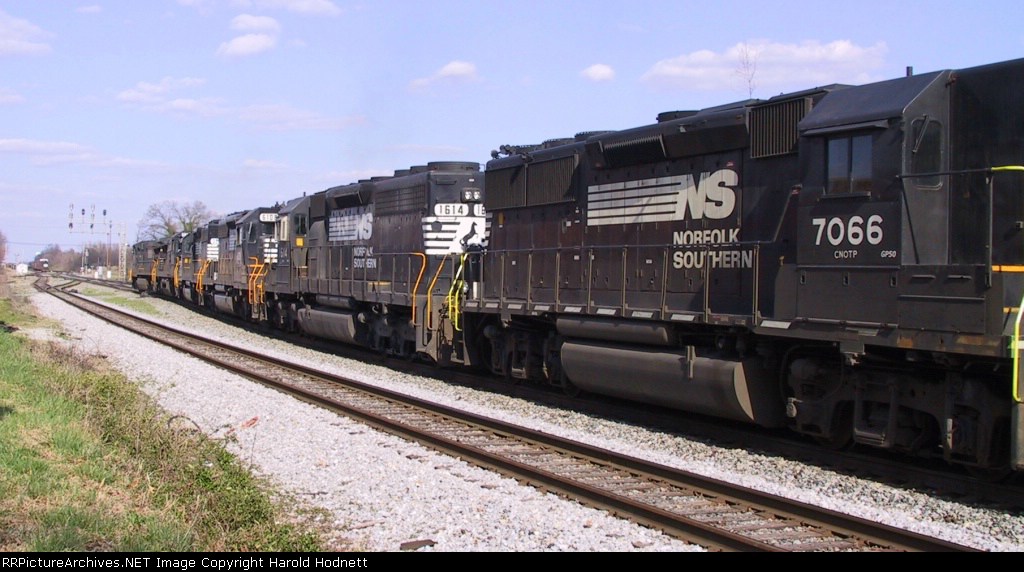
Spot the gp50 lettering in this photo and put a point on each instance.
(853, 231)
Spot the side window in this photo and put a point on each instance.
(300, 225)
(253, 233)
(849, 164)
(926, 153)
(281, 232)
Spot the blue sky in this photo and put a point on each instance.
(121, 104)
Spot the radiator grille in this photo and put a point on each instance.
(639, 150)
(505, 188)
(532, 184)
(773, 128)
(552, 181)
(396, 201)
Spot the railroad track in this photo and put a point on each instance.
(717, 515)
(932, 476)
(115, 284)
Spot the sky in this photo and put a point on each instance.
(118, 105)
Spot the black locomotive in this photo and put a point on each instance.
(846, 261)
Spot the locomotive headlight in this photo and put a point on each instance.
(470, 195)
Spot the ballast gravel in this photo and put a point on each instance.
(382, 493)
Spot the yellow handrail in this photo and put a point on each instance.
(1016, 352)
(430, 298)
(454, 293)
(256, 290)
(416, 287)
(202, 272)
(176, 273)
(152, 272)
(1015, 387)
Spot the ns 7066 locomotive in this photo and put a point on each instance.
(845, 261)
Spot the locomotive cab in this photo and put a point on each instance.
(143, 256)
(382, 262)
(253, 255)
(908, 249)
(221, 272)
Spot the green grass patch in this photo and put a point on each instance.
(88, 463)
(122, 299)
(11, 317)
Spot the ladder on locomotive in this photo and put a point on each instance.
(176, 275)
(455, 295)
(201, 274)
(257, 288)
(152, 273)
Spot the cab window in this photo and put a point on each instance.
(849, 164)
(281, 232)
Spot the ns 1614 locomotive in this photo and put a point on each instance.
(845, 261)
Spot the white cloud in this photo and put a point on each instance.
(18, 36)
(146, 92)
(264, 164)
(8, 97)
(156, 97)
(307, 7)
(206, 107)
(304, 7)
(97, 160)
(452, 71)
(770, 65)
(93, 9)
(457, 69)
(36, 147)
(250, 23)
(287, 118)
(599, 72)
(247, 45)
(48, 154)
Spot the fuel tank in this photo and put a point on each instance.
(735, 389)
(333, 325)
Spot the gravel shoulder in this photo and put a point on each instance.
(380, 491)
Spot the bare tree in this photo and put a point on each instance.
(3, 247)
(748, 67)
(171, 217)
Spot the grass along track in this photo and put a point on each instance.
(88, 463)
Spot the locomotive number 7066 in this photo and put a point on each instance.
(853, 231)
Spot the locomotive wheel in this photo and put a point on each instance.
(834, 443)
(842, 431)
(279, 316)
(991, 474)
(509, 360)
(569, 388)
(398, 347)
